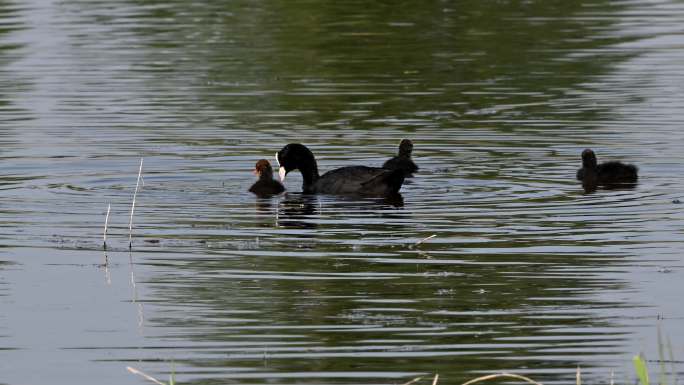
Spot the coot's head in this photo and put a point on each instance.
(405, 147)
(263, 168)
(588, 158)
(296, 156)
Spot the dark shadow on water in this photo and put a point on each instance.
(297, 211)
(264, 204)
(593, 187)
(362, 203)
(302, 211)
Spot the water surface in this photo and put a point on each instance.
(526, 273)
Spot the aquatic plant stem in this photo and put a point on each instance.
(508, 375)
(104, 235)
(641, 369)
(135, 195)
(425, 239)
(413, 381)
(144, 375)
(578, 376)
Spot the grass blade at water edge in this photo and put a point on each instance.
(641, 369)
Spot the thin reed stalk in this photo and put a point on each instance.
(500, 375)
(413, 381)
(135, 195)
(144, 375)
(104, 235)
(425, 239)
(578, 376)
(434, 380)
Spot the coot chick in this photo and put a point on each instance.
(403, 160)
(609, 174)
(266, 186)
(352, 180)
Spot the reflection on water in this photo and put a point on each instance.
(592, 187)
(297, 211)
(525, 272)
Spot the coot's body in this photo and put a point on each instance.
(352, 180)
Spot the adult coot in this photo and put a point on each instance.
(352, 180)
(266, 185)
(403, 160)
(609, 174)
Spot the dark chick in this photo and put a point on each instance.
(403, 160)
(352, 180)
(266, 186)
(609, 174)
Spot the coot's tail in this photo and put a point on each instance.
(385, 184)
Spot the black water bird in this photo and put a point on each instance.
(403, 160)
(352, 180)
(266, 186)
(608, 174)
